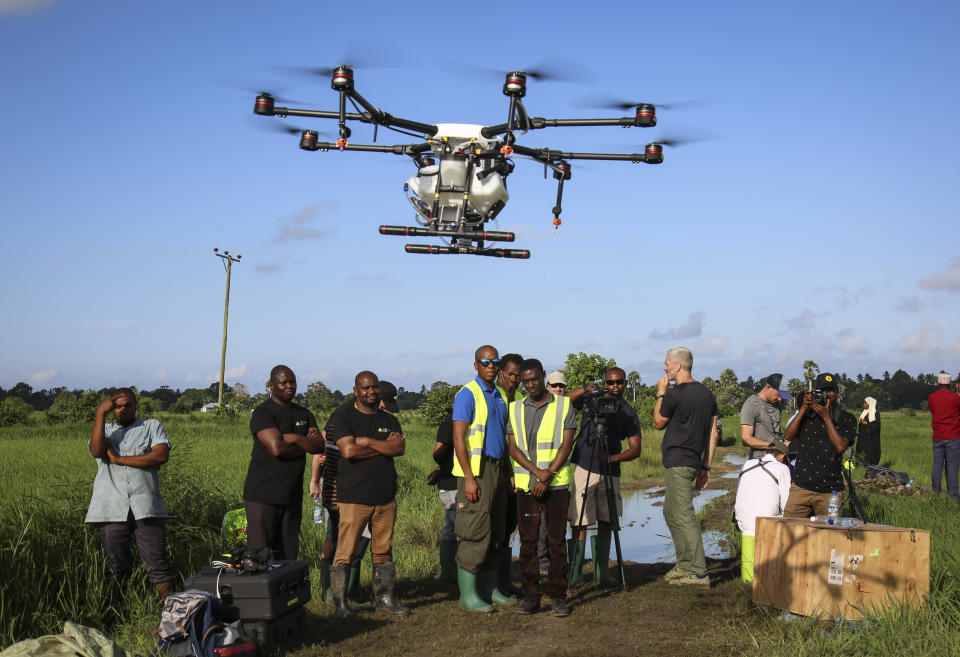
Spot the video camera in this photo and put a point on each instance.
(597, 405)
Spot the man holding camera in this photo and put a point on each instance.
(593, 460)
(688, 411)
(760, 416)
(822, 432)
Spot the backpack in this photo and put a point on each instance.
(188, 625)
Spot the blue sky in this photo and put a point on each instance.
(818, 221)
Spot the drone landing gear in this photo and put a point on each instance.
(474, 237)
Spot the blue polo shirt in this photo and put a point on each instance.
(495, 442)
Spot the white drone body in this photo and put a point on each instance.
(446, 182)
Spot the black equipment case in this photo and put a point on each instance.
(281, 634)
(265, 595)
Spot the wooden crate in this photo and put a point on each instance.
(819, 570)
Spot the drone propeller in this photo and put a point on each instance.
(612, 102)
(279, 98)
(272, 126)
(356, 54)
(551, 69)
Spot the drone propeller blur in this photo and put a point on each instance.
(460, 183)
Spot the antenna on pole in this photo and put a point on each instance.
(228, 261)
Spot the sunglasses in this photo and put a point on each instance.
(487, 362)
(616, 382)
(557, 385)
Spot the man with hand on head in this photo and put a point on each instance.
(368, 438)
(482, 468)
(126, 492)
(283, 433)
(822, 433)
(540, 437)
(688, 412)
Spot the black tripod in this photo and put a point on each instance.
(852, 502)
(602, 455)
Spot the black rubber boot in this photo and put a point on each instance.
(325, 592)
(384, 575)
(448, 562)
(338, 586)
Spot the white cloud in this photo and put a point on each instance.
(265, 267)
(855, 344)
(926, 340)
(909, 305)
(234, 372)
(295, 227)
(804, 321)
(692, 328)
(41, 379)
(948, 280)
(711, 345)
(160, 375)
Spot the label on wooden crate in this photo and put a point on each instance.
(836, 568)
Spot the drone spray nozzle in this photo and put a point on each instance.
(264, 105)
(414, 231)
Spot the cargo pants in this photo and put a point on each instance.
(480, 525)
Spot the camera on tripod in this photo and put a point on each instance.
(597, 405)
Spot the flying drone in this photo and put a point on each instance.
(460, 183)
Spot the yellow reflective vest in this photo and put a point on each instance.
(477, 431)
(549, 440)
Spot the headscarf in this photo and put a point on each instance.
(870, 412)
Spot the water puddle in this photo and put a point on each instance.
(734, 459)
(644, 536)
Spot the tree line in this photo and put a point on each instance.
(21, 404)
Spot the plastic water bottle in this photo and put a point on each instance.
(833, 506)
(317, 512)
(824, 520)
(849, 523)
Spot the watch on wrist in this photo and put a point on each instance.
(705, 468)
(660, 396)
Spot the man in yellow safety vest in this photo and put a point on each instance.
(540, 437)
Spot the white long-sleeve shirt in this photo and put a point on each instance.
(759, 493)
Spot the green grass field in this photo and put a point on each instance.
(55, 569)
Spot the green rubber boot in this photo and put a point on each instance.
(600, 548)
(469, 599)
(448, 562)
(325, 593)
(353, 587)
(747, 544)
(488, 589)
(578, 553)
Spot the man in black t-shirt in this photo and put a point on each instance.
(688, 411)
(283, 432)
(368, 439)
(820, 433)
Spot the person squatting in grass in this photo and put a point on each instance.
(821, 434)
(762, 490)
(481, 465)
(369, 439)
(588, 495)
(688, 411)
(126, 492)
(283, 432)
(540, 437)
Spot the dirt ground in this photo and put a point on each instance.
(652, 618)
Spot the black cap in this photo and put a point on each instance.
(775, 381)
(388, 395)
(824, 381)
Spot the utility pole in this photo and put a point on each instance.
(228, 261)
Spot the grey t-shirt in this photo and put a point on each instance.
(764, 417)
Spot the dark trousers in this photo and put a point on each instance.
(553, 504)
(946, 451)
(274, 526)
(151, 537)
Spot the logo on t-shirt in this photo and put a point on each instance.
(300, 423)
(383, 430)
